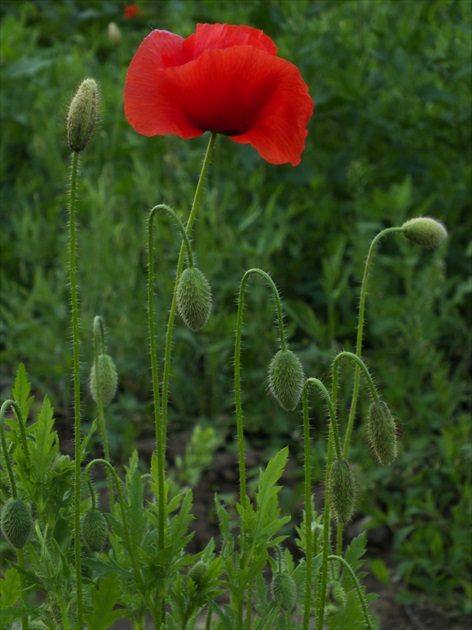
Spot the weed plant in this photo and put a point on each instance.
(389, 140)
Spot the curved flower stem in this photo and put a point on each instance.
(76, 368)
(348, 567)
(308, 500)
(126, 530)
(237, 367)
(361, 366)
(180, 264)
(159, 425)
(6, 454)
(360, 332)
(99, 348)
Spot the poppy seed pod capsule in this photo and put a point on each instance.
(425, 232)
(194, 298)
(103, 377)
(94, 530)
(286, 379)
(16, 522)
(336, 598)
(284, 591)
(382, 432)
(197, 572)
(83, 115)
(342, 491)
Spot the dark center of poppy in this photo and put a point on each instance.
(231, 133)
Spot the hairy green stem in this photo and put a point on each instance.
(348, 567)
(180, 264)
(76, 371)
(360, 332)
(6, 454)
(99, 348)
(308, 502)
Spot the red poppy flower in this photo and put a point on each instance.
(225, 79)
(131, 11)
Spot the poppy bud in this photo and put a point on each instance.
(336, 598)
(103, 378)
(382, 432)
(342, 490)
(284, 591)
(286, 379)
(16, 522)
(94, 530)
(82, 117)
(425, 232)
(194, 298)
(197, 572)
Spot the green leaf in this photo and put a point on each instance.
(44, 448)
(21, 392)
(136, 512)
(104, 599)
(10, 588)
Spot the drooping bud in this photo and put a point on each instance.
(425, 232)
(286, 379)
(83, 115)
(194, 298)
(103, 378)
(197, 572)
(336, 598)
(382, 432)
(342, 491)
(94, 530)
(16, 522)
(284, 591)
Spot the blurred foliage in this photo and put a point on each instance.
(390, 139)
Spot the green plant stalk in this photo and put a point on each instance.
(99, 340)
(319, 616)
(158, 421)
(6, 454)
(76, 368)
(308, 504)
(180, 264)
(126, 530)
(360, 332)
(348, 567)
(237, 367)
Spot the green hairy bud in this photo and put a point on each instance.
(336, 598)
(284, 591)
(83, 116)
(94, 530)
(16, 522)
(342, 491)
(103, 378)
(425, 232)
(286, 379)
(194, 298)
(382, 433)
(197, 572)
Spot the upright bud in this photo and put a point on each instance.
(342, 491)
(284, 591)
(194, 298)
(103, 378)
(83, 115)
(197, 572)
(16, 522)
(382, 432)
(94, 530)
(286, 379)
(425, 232)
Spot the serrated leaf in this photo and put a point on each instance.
(44, 448)
(104, 599)
(136, 512)
(21, 392)
(356, 551)
(9, 588)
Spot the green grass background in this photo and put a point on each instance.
(390, 139)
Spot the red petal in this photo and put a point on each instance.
(209, 36)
